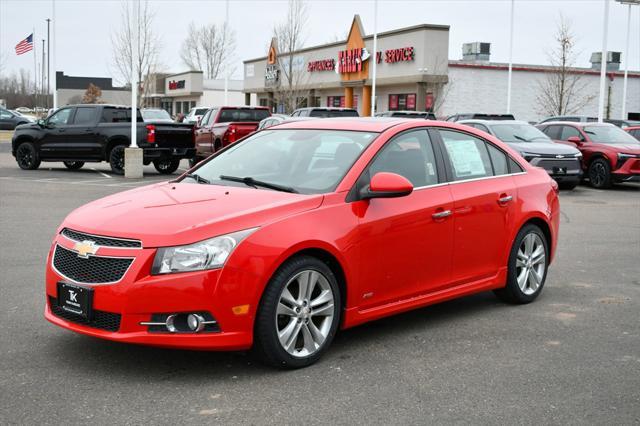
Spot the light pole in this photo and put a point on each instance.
(133, 154)
(603, 62)
(627, 58)
(48, 57)
(53, 31)
(226, 74)
(510, 59)
(374, 57)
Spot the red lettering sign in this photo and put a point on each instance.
(321, 65)
(350, 61)
(404, 54)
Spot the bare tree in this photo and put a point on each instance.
(209, 48)
(148, 48)
(92, 95)
(290, 37)
(562, 90)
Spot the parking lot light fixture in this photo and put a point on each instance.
(603, 61)
(627, 58)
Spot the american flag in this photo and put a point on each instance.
(25, 45)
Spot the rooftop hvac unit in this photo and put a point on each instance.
(476, 51)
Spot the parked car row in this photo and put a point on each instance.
(9, 120)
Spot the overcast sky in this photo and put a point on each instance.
(84, 27)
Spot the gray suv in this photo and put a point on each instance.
(562, 162)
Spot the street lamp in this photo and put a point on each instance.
(629, 3)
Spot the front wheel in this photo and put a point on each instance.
(600, 174)
(73, 165)
(116, 159)
(527, 268)
(27, 156)
(299, 314)
(166, 166)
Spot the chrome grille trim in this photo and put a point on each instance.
(101, 240)
(124, 274)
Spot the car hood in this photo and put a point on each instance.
(549, 148)
(627, 148)
(29, 125)
(182, 213)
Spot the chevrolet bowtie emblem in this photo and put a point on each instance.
(559, 156)
(85, 248)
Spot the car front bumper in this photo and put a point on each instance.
(121, 307)
(628, 172)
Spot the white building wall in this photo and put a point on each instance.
(213, 98)
(73, 96)
(485, 90)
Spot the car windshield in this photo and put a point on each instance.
(306, 161)
(518, 132)
(155, 114)
(609, 134)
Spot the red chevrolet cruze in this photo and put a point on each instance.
(282, 238)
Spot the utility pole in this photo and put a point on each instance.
(133, 154)
(510, 59)
(603, 62)
(48, 56)
(44, 104)
(226, 74)
(374, 57)
(627, 56)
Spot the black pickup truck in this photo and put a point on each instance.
(76, 134)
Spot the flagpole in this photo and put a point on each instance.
(35, 71)
(54, 79)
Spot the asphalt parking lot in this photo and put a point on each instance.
(572, 357)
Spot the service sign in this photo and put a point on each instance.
(271, 76)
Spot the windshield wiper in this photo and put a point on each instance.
(521, 138)
(197, 178)
(249, 181)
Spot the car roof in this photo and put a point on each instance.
(578, 123)
(492, 122)
(360, 124)
(325, 109)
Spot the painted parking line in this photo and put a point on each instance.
(103, 174)
(92, 182)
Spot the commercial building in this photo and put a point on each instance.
(71, 89)
(415, 73)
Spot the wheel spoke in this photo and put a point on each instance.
(324, 311)
(318, 337)
(324, 297)
(285, 310)
(309, 342)
(307, 282)
(289, 335)
(534, 280)
(538, 259)
(287, 297)
(522, 283)
(528, 244)
(520, 263)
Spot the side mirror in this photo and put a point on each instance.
(386, 185)
(41, 122)
(575, 139)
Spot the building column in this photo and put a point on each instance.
(366, 101)
(421, 96)
(311, 98)
(271, 102)
(348, 97)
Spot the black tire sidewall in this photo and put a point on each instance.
(607, 167)
(73, 165)
(113, 158)
(34, 154)
(173, 166)
(512, 290)
(266, 342)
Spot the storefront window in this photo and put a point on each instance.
(185, 107)
(402, 102)
(178, 108)
(335, 101)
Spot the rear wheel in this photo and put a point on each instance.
(116, 159)
(527, 268)
(600, 173)
(166, 166)
(27, 157)
(73, 165)
(298, 315)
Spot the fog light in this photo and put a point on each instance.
(195, 322)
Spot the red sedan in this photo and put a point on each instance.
(609, 154)
(278, 240)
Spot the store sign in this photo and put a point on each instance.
(404, 54)
(271, 76)
(176, 85)
(321, 65)
(352, 60)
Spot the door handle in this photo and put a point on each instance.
(504, 199)
(442, 214)
(62, 130)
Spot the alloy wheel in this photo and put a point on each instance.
(305, 313)
(25, 156)
(598, 174)
(531, 263)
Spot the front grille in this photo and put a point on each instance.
(569, 164)
(100, 319)
(100, 241)
(92, 270)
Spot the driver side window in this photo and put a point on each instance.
(568, 131)
(61, 117)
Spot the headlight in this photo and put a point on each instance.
(529, 155)
(578, 155)
(625, 156)
(207, 254)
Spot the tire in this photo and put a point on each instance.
(567, 185)
(312, 321)
(166, 166)
(27, 156)
(73, 165)
(522, 286)
(116, 159)
(600, 174)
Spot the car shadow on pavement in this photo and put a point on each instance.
(100, 357)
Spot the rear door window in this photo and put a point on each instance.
(84, 116)
(467, 155)
(552, 131)
(568, 131)
(118, 115)
(498, 160)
